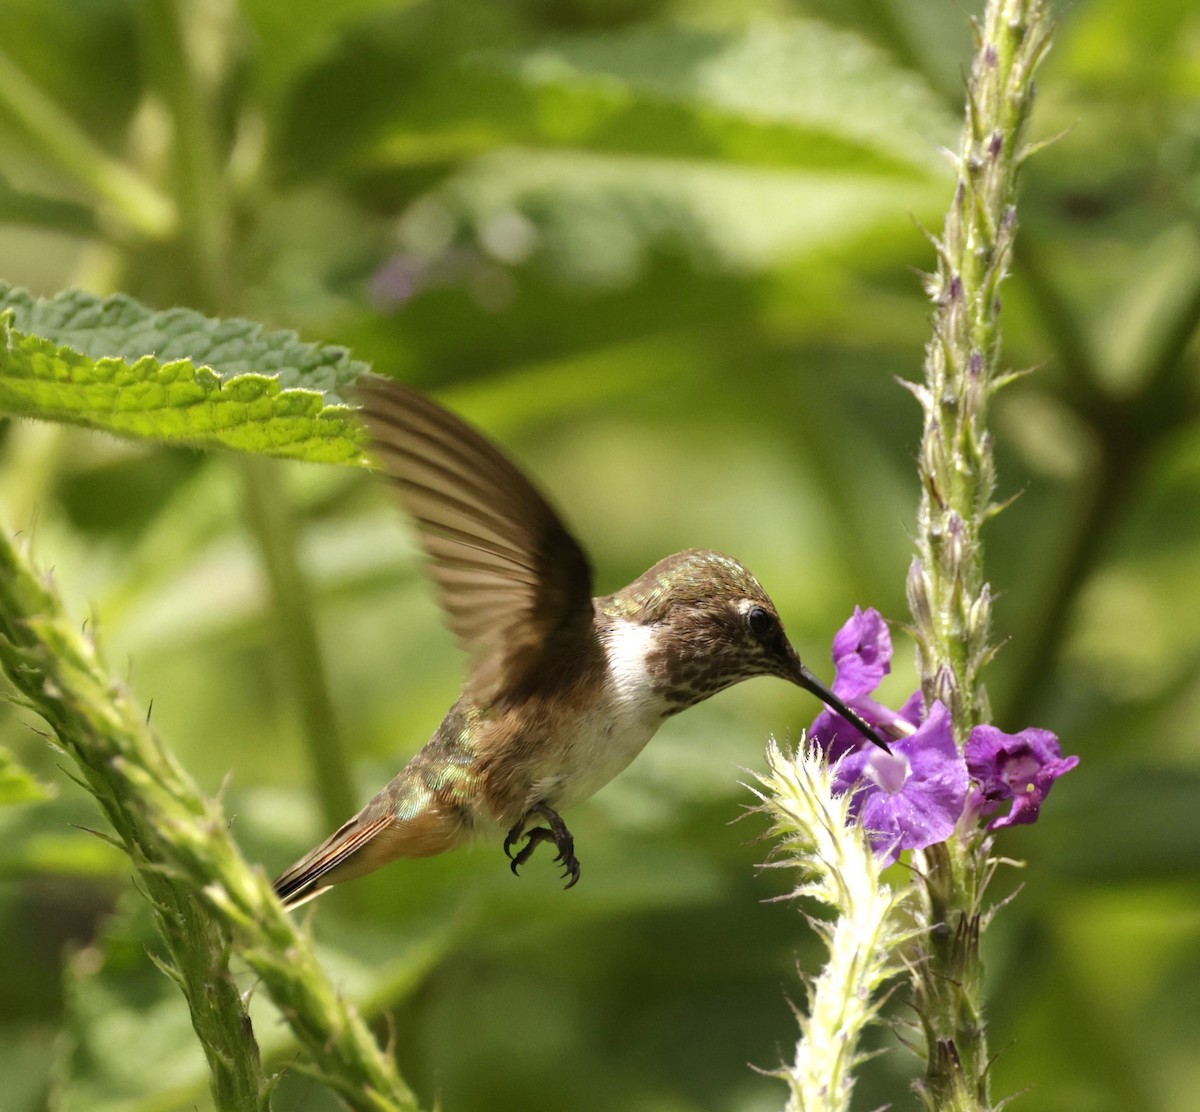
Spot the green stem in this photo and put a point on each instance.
(203, 200)
(147, 798)
(949, 598)
(948, 977)
(204, 204)
(837, 868)
(197, 167)
(208, 901)
(950, 602)
(60, 140)
(270, 518)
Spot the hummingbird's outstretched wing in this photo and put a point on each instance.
(512, 580)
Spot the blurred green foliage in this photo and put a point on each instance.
(664, 251)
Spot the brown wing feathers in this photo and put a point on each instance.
(509, 574)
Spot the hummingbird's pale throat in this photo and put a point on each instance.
(563, 689)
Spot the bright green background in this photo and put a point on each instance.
(665, 252)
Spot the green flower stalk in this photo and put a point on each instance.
(947, 769)
(948, 595)
(925, 795)
(840, 870)
(208, 902)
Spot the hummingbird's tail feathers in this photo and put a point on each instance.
(368, 841)
(296, 886)
(298, 899)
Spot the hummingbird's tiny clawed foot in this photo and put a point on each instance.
(556, 832)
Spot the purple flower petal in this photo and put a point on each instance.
(1021, 767)
(862, 653)
(837, 737)
(913, 710)
(912, 797)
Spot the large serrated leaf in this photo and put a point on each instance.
(175, 376)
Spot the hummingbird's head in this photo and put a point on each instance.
(710, 625)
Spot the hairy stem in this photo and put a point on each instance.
(838, 869)
(950, 601)
(948, 595)
(208, 901)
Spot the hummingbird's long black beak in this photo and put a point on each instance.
(804, 678)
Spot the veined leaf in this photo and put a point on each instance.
(175, 376)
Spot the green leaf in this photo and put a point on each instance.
(795, 94)
(175, 376)
(17, 785)
(597, 220)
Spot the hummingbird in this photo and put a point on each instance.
(563, 689)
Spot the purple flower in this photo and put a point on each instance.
(918, 795)
(912, 797)
(1021, 767)
(862, 654)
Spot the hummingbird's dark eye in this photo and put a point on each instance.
(762, 625)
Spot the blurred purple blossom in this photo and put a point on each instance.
(398, 280)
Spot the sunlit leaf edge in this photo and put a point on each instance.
(175, 376)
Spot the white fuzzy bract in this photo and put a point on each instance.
(838, 869)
